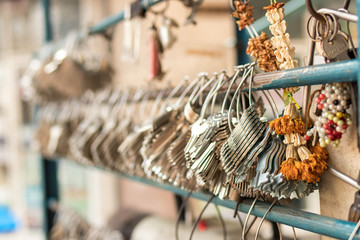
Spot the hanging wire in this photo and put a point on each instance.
(223, 225)
(200, 215)
(353, 233)
(183, 204)
(248, 216)
(263, 219)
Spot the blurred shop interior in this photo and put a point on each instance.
(98, 199)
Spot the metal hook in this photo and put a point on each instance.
(232, 5)
(233, 79)
(200, 215)
(354, 231)
(160, 12)
(222, 221)
(179, 215)
(346, 4)
(313, 12)
(212, 95)
(172, 94)
(263, 218)
(248, 216)
(158, 99)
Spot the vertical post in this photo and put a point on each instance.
(48, 167)
(47, 21)
(242, 38)
(358, 77)
(50, 192)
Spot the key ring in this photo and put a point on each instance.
(335, 26)
(317, 27)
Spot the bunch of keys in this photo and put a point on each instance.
(331, 42)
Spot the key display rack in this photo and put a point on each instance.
(347, 71)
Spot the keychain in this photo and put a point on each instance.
(167, 37)
(155, 51)
(131, 37)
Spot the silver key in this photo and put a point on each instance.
(336, 48)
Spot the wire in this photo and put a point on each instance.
(250, 225)
(223, 225)
(354, 231)
(346, 4)
(247, 217)
(183, 204)
(199, 217)
(240, 221)
(351, 39)
(293, 229)
(262, 220)
(278, 225)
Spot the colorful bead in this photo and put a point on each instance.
(333, 101)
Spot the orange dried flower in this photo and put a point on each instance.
(308, 170)
(312, 168)
(320, 151)
(287, 125)
(290, 168)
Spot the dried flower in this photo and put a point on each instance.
(261, 49)
(287, 125)
(244, 12)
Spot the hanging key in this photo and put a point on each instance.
(336, 48)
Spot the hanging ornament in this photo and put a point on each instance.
(155, 71)
(167, 37)
(281, 39)
(244, 12)
(301, 162)
(130, 52)
(333, 119)
(284, 53)
(259, 47)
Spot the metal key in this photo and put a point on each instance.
(336, 48)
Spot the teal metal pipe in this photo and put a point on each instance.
(290, 7)
(47, 20)
(48, 168)
(112, 20)
(358, 72)
(346, 71)
(259, 25)
(315, 223)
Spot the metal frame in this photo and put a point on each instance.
(348, 71)
(48, 168)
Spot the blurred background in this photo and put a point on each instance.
(208, 46)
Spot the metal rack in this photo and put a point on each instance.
(348, 71)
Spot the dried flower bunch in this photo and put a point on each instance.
(301, 163)
(262, 50)
(244, 12)
(281, 41)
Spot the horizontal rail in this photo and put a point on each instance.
(116, 18)
(312, 75)
(259, 25)
(315, 223)
(297, 77)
